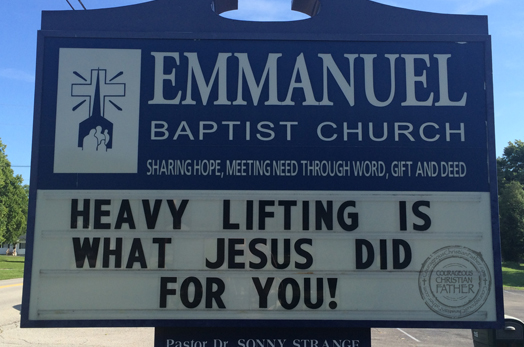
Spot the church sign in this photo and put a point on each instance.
(191, 170)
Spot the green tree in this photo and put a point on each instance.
(13, 201)
(511, 208)
(511, 166)
(510, 169)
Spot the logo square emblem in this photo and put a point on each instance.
(97, 115)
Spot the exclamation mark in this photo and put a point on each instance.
(332, 284)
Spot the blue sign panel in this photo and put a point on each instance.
(264, 174)
(251, 337)
(229, 114)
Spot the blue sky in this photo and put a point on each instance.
(20, 20)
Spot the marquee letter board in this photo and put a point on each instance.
(191, 170)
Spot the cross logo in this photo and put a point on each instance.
(97, 111)
(96, 132)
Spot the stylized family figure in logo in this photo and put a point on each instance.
(95, 133)
(97, 140)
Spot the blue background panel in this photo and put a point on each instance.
(466, 74)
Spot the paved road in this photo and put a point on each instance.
(12, 335)
(514, 303)
(421, 337)
(513, 306)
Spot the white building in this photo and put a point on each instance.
(20, 247)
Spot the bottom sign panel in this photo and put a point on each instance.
(149, 256)
(257, 337)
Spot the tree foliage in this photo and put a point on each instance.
(511, 207)
(511, 166)
(511, 200)
(13, 201)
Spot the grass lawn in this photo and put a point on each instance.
(11, 267)
(513, 275)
